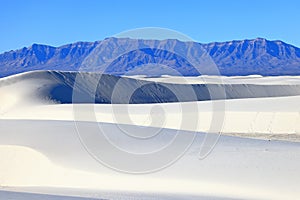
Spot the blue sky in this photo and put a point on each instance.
(57, 22)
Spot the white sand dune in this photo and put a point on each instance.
(236, 168)
(100, 88)
(30, 96)
(251, 79)
(40, 151)
(268, 118)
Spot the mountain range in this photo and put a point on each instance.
(125, 56)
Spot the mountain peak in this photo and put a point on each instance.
(260, 39)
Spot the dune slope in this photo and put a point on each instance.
(100, 88)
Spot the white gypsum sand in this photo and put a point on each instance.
(40, 149)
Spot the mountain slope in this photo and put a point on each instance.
(258, 56)
(39, 57)
(245, 57)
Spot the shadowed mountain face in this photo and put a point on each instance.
(245, 57)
